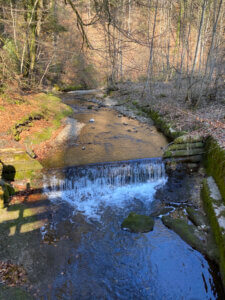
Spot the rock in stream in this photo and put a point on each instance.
(138, 223)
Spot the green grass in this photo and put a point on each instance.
(72, 88)
(51, 107)
(135, 103)
(7, 98)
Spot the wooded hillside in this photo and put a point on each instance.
(88, 43)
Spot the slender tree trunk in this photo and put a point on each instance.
(129, 16)
(190, 87)
(210, 53)
(199, 36)
(148, 86)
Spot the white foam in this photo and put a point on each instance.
(91, 190)
(93, 199)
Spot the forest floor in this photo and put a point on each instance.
(207, 119)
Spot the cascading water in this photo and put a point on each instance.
(90, 189)
(90, 203)
(81, 252)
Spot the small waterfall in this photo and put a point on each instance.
(87, 188)
(110, 174)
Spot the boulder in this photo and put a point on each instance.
(196, 217)
(191, 235)
(138, 223)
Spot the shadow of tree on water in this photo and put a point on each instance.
(37, 235)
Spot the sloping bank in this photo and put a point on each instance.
(193, 149)
(18, 166)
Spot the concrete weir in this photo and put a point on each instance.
(185, 149)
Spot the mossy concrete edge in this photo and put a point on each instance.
(165, 127)
(212, 204)
(214, 162)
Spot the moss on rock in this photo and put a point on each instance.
(18, 165)
(70, 88)
(160, 123)
(183, 229)
(186, 146)
(215, 163)
(6, 191)
(138, 223)
(196, 216)
(192, 236)
(181, 153)
(213, 205)
(25, 122)
(188, 139)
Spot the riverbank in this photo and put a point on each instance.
(170, 103)
(207, 123)
(104, 131)
(27, 121)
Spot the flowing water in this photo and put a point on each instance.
(78, 249)
(111, 263)
(91, 189)
(111, 137)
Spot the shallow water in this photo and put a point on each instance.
(109, 263)
(111, 137)
(78, 249)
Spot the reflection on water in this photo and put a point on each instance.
(82, 253)
(109, 263)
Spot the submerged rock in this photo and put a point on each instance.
(183, 229)
(162, 211)
(158, 208)
(138, 223)
(191, 235)
(196, 217)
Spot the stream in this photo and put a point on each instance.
(80, 250)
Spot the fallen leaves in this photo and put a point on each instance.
(11, 274)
